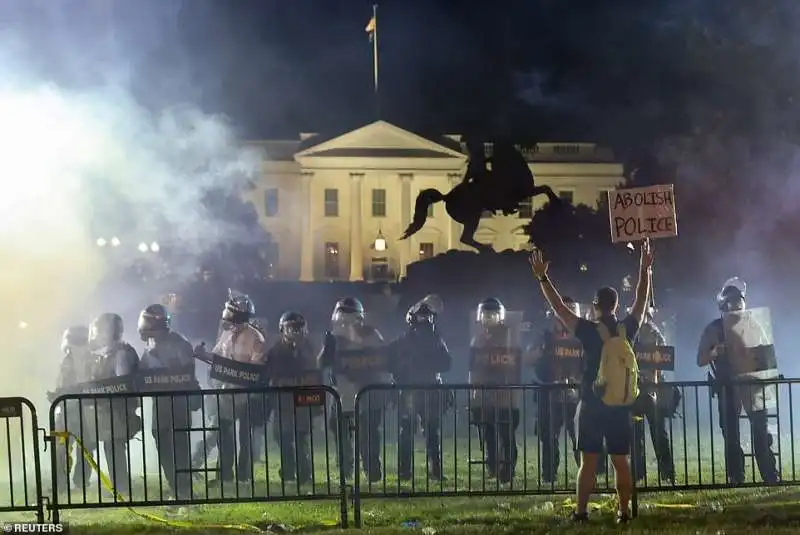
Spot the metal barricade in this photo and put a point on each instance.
(20, 472)
(157, 448)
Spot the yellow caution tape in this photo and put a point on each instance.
(64, 436)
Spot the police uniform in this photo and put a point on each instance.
(655, 404)
(241, 342)
(288, 364)
(495, 411)
(171, 416)
(117, 420)
(350, 336)
(556, 407)
(418, 357)
(74, 416)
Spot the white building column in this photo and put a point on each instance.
(453, 228)
(356, 234)
(405, 219)
(307, 228)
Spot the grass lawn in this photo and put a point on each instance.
(755, 511)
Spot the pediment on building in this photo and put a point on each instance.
(377, 140)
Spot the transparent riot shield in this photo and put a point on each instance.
(751, 352)
(496, 359)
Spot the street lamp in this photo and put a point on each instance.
(154, 247)
(114, 242)
(101, 242)
(143, 248)
(23, 325)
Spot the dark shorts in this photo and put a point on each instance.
(596, 423)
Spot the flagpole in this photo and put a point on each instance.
(375, 60)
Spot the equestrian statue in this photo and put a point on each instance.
(501, 186)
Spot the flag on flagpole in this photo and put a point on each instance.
(372, 25)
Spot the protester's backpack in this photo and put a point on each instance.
(617, 382)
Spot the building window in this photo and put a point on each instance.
(379, 203)
(425, 251)
(332, 203)
(430, 210)
(526, 209)
(602, 198)
(332, 260)
(567, 196)
(271, 202)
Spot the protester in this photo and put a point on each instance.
(609, 381)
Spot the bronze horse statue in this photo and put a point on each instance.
(509, 183)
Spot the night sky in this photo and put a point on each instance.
(569, 69)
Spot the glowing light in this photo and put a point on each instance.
(143, 247)
(101, 242)
(23, 325)
(584, 267)
(380, 242)
(115, 242)
(155, 247)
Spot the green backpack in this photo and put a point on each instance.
(617, 381)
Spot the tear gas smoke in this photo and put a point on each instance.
(80, 165)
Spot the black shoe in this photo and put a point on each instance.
(623, 518)
(579, 518)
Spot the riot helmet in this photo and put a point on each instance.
(292, 326)
(154, 321)
(74, 337)
(105, 330)
(421, 316)
(491, 312)
(732, 296)
(434, 302)
(347, 313)
(239, 308)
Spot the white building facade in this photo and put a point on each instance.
(326, 200)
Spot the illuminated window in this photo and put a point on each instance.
(567, 149)
(525, 209)
(567, 196)
(425, 251)
(379, 203)
(332, 260)
(271, 202)
(331, 203)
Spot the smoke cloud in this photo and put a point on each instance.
(83, 159)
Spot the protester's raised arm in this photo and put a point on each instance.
(562, 311)
(644, 285)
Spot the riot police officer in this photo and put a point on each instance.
(715, 351)
(74, 416)
(418, 357)
(168, 350)
(351, 339)
(496, 360)
(657, 404)
(553, 365)
(241, 342)
(117, 419)
(289, 362)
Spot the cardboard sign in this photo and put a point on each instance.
(167, 379)
(652, 357)
(567, 348)
(638, 213)
(10, 408)
(361, 361)
(238, 373)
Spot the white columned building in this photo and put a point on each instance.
(336, 206)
